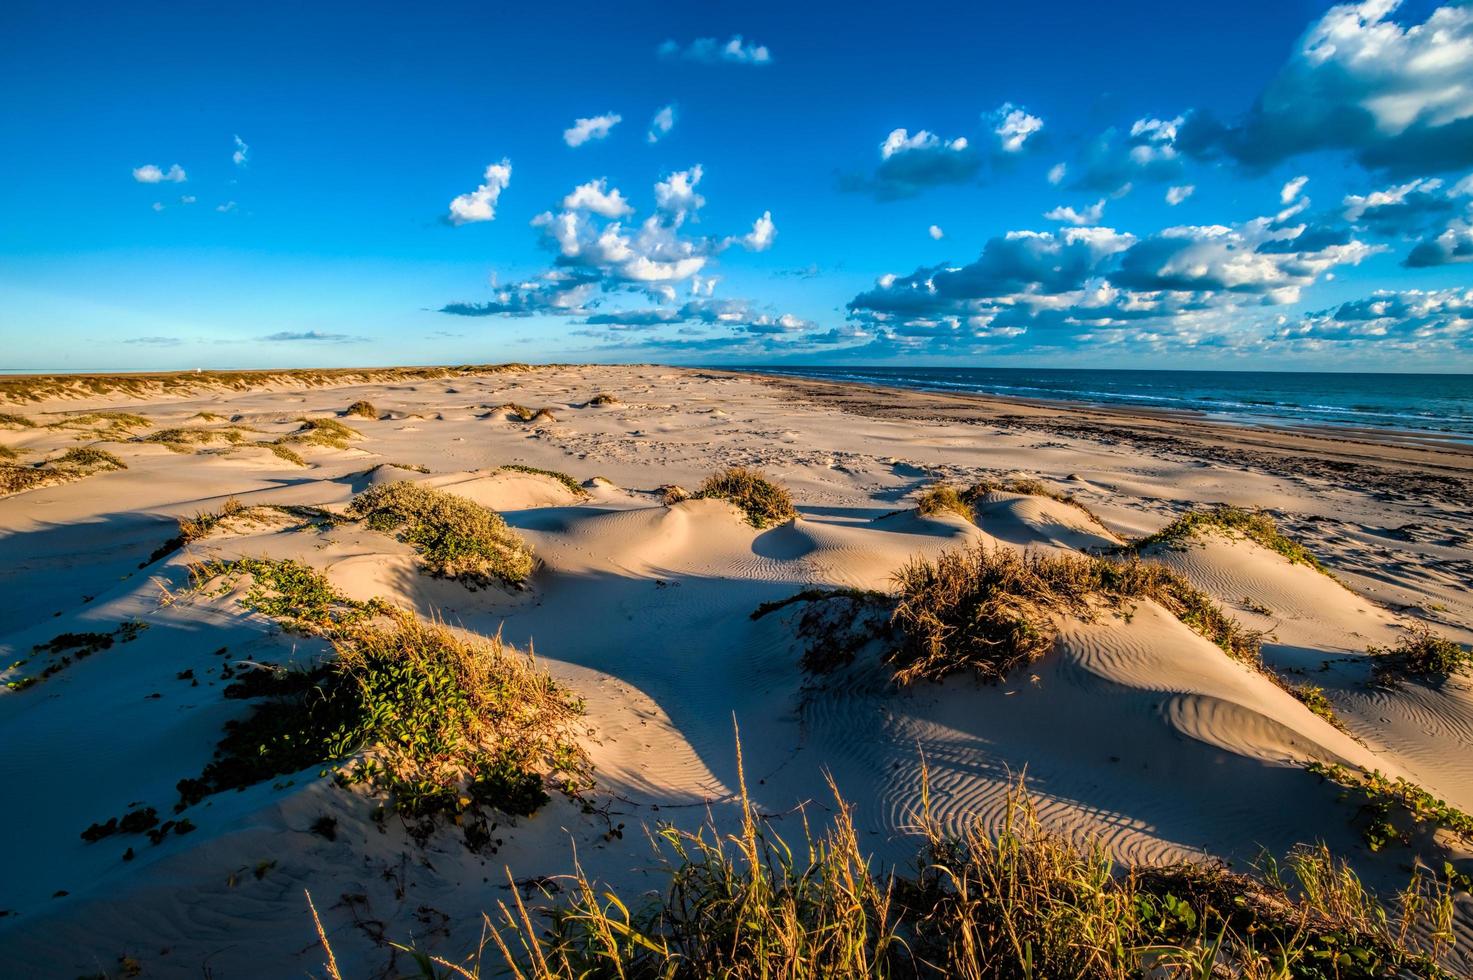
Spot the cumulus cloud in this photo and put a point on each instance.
(225, 208)
(708, 50)
(151, 174)
(1089, 215)
(596, 197)
(1399, 97)
(1113, 161)
(661, 124)
(480, 204)
(1013, 126)
(594, 128)
(1057, 172)
(911, 163)
(187, 199)
(1453, 244)
(1292, 189)
(1090, 285)
(242, 151)
(1409, 321)
(600, 265)
(157, 206)
(1425, 208)
(1175, 195)
(936, 233)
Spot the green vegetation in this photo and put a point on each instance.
(362, 409)
(1393, 810)
(944, 498)
(443, 725)
(991, 611)
(323, 432)
(67, 648)
(74, 464)
(455, 537)
(1254, 525)
(835, 624)
(764, 502)
(1421, 655)
(1021, 904)
(1312, 696)
(574, 487)
(9, 420)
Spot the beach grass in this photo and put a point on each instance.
(362, 409)
(1423, 655)
(1255, 525)
(572, 485)
(456, 538)
(764, 502)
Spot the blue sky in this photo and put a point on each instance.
(1252, 185)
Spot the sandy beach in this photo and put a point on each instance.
(1132, 729)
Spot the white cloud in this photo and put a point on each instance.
(1293, 188)
(595, 128)
(661, 124)
(900, 141)
(1085, 216)
(1175, 195)
(936, 233)
(759, 239)
(708, 50)
(1013, 125)
(1056, 173)
(596, 197)
(676, 195)
(158, 206)
(241, 152)
(226, 208)
(480, 204)
(150, 174)
(187, 199)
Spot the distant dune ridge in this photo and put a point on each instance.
(416, 640)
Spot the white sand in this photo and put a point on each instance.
(1133, 728)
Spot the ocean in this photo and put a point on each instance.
(1440, 404)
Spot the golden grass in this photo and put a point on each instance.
(764, 502)
(943, 498)
(1028, 488)
(202, 523)
(1231, 521)
(571, 484)
(990, 611)
(1020, 903)
(74, 464)
(362, 409)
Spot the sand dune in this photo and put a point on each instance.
(1134, 727)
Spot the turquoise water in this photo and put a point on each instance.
(1422, 403)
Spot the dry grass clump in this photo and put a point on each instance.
(362, 409)
(521, 412)
(202, 523)
(572, 485)
(282, 451)
(1420, 654)
(600, 400)
(542, 415)
(9, 420)
(1254, 525)
(945, 498)
(440, 724)
(74, 464)
(991, 611)
(1020, 904)
(111, 422)
(7, 452)
(183, 440)
(323, 432)
(672, 493)
(765, 503)
(455, 537)
(1028, 488)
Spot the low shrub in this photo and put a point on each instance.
(183, 440)
(455, 537)
(1393, 810)
(944, 498)
(362, 409)
(600, 400)
(765, 503)
(203, 522)
(1420, 654)
(74, 464)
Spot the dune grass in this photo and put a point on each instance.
(600, 400)
(990, 611)
(8, 452)
(110, 422)
(1421, 655)
(1313, 697)
(433, 722)
(456, 538)
(1254, 525)
(1029, 488)
(362, 409)
(572, 485)
(764, 502)
(283, 451)
(323, 432)
(1021, 903)
(9, 420)
(944, 498)
(203, 522)
(185, 439)
(74, 464)
(65, 649)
